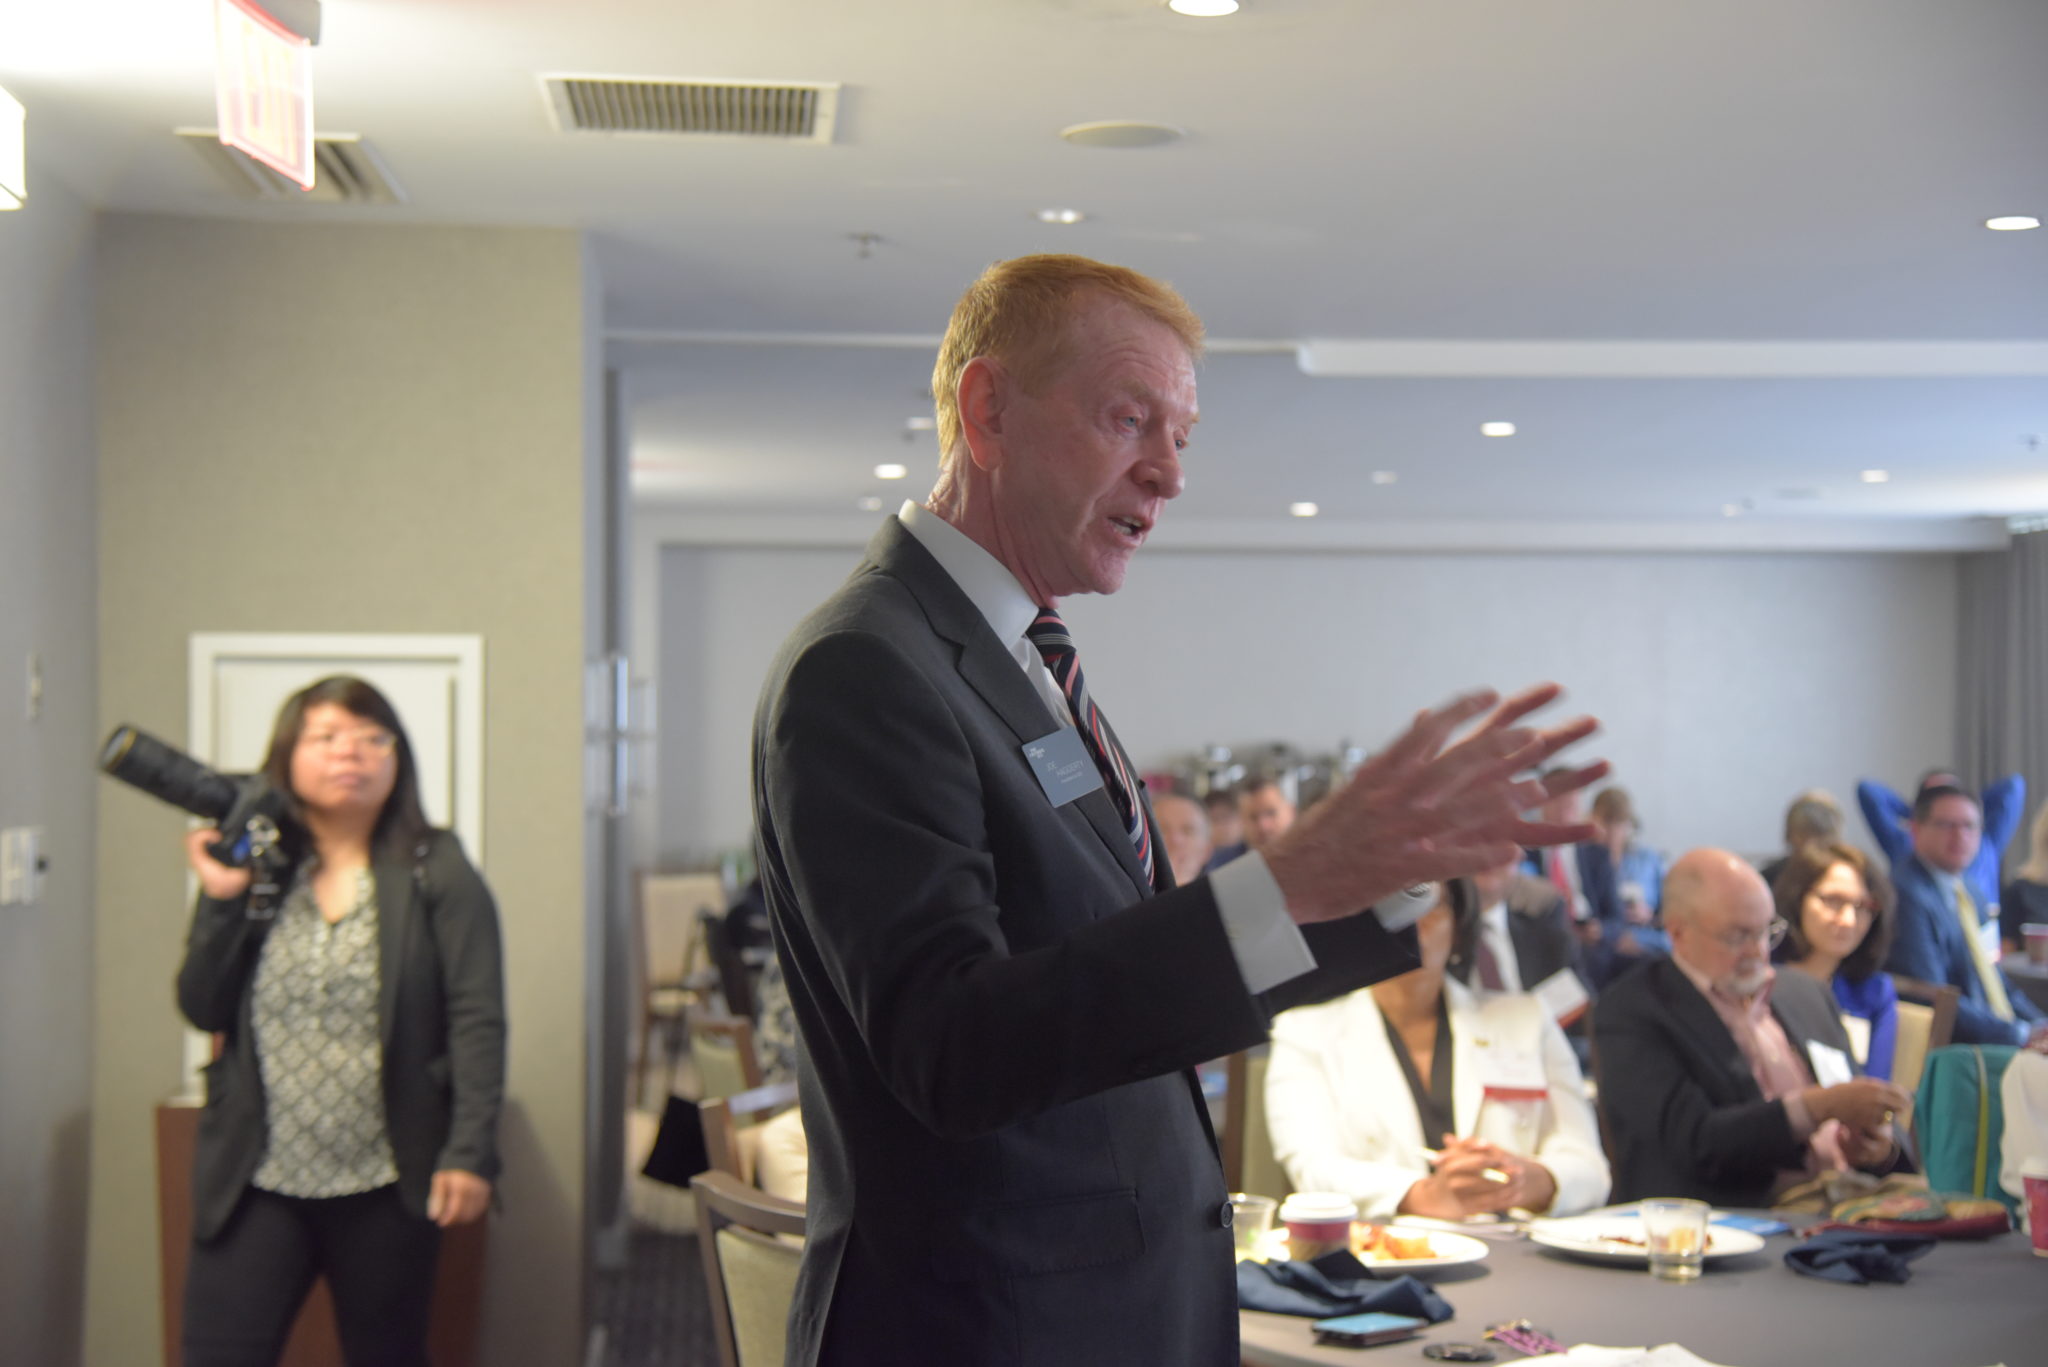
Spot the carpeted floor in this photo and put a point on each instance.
(654, 1310)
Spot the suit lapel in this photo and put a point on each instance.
(993, 673)
(1697, 1018)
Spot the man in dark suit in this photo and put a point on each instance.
(1523, 927)
(1720, 1077)
(1001, 992)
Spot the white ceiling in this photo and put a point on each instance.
(1476, 172)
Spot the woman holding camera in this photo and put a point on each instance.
(352, 1112)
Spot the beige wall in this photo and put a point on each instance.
(343, 428)
(46, 778)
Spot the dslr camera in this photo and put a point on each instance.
(253, 817)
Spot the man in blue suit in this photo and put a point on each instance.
(1941, 934)
(1890, 817)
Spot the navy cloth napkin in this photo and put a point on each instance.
(1334, 1284)
(1857, 1258)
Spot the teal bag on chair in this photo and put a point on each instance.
(1959, 1119)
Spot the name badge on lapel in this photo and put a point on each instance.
(1830, 1065)
(1063, 766)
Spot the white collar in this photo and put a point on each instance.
(985, 580)
(1495, 917)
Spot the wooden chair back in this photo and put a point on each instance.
(748, 1271)
(1248, 1161)
(1927, 1021)
(722, 1047)
(731, 1124)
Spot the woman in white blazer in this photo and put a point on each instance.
(1352, 1080)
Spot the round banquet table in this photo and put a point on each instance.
(1969, 1303)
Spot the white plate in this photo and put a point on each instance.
(1450, 1250)
(1601, 1238)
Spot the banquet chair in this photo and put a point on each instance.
(749, 1272)
(722, 1048)
(675, 971)
(1248, 1161)
(732, 1126)
(1927, 1021)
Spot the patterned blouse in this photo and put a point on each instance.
(317, 1041)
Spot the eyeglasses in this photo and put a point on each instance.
(377, 742)
(1735, 941)
(1839, 902)
(1954, 827)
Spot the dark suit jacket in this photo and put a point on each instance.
(1684, 1116)
(1010, 1160)
(440, 1005)
(1927, 943)
(1540, 930)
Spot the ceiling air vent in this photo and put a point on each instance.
(789, 110)
(347, 170)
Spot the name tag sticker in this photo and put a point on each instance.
(1830, 1065)
(1994, 949)
(1563, 996)
(1510, 1070)
(1063, 766)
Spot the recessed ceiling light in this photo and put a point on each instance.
(871, 504)
(1203, 9)
(1121, 133)
(2012, 223)
(1876, 476)
(1303, 509)
(1731, 510)
(923, 422)
(1496, 429)
(891, 471)
(1060, 215)
(1384, 477)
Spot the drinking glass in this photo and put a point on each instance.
(1675, 1233)
(1251, 1220)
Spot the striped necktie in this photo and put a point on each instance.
(1056, 647)
(1987, 971)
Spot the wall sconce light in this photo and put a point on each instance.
(13, 153)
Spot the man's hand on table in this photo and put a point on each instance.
(1865, 1107)
(1427, 808)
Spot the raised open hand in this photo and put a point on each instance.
(1431, 807)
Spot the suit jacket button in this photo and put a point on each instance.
(1224, 1216)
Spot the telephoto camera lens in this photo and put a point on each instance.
(167, 773)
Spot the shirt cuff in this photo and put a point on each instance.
(1801, 1118)
(1406, 907)
(1263, 937)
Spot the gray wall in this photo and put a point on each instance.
(341, 428)
(1727, 682)
(46, 777)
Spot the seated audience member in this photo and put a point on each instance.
(1998, 815)
(1226, 827)
(1941, 934)
(1360, 1089)
(1184, 831)
(1582, 874)
(1638, 874)
(2026, 897)
(1837, 910)
(1523, 936)
(1266, 810)
(1813, 818)
(1719, 1078)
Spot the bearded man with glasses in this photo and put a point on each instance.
(1720, 1078)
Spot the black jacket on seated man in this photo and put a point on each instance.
(1684, 1115)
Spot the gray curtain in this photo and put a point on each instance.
(2002, 692)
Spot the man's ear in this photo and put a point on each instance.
(983, 401)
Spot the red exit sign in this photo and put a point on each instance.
(263, 86)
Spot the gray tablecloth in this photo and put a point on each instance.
(1969, 1304)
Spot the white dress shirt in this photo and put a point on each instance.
(1264, 939)
(1493, 930)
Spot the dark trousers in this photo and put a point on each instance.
(243, 1288)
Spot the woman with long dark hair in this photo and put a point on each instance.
(352, 1112)
(1837, 909)
(1417, 1096)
